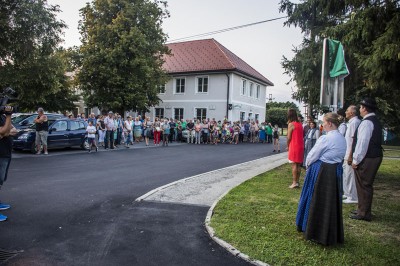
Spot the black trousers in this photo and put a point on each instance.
(109, 140)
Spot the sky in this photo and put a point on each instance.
(262, 46)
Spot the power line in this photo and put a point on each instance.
(225, 30)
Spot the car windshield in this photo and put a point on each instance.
(50, 123)
(19, 118)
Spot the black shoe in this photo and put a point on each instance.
(354, 212)
(358, 217)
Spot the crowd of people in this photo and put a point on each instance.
(341, 162)
(112, 130)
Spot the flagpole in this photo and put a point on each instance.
(323, 71)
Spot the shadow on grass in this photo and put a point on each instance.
(258, 218)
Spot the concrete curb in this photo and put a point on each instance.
(222, 242)
(278, 160)
(231, 249)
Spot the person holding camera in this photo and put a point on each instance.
(7, 131)
(42, 131)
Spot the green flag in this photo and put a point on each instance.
(337, 65)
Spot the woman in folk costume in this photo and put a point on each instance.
(319, 213)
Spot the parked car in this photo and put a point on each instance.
(63, 133)
(27, 120)
(18, 117)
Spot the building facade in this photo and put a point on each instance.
(209, 81)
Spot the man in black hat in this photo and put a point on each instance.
(367, 157)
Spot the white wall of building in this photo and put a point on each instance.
(252, 105)
(215, 99)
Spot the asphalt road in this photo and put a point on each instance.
(75, 208)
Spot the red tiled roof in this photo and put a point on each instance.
(207, 55)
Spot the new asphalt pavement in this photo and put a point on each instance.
(75, 208)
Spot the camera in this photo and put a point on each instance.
(6, 99)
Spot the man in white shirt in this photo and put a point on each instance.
(349, 180)
(110, 128)
(367, 157)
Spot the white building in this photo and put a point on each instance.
(209, 81)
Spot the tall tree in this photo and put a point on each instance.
(370, 33)
(122, 53)
(276, 112)
(30, 60)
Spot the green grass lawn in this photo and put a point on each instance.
(258, 218)
(391, 151)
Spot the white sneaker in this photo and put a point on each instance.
(350, 201)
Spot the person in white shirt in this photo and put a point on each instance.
(91, 131)
(128, 131)
(319, 213)
(349, 180)
(367, 158)
(110, 128)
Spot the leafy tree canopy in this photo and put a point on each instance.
(370, 34)
(122, 53)
(276, 112)
(30, 61)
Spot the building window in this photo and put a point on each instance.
(250, 116)
(161, 89)
(257, 116)
(180, 85)
(178, 113)
(201, 113)
(159, 112)
(258, 91)
(251, 92)
(242, 116)
(244, 87)
(202, 85)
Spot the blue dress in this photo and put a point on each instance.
(262, 134)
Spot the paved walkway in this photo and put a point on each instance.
(205, 189)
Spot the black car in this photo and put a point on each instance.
(27, 120)
(63, 133)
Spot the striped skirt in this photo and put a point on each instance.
(319, 213)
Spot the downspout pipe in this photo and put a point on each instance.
(227, 96)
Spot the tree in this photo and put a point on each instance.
(30, 61)
(276, 112)
(122, 53)
(370, 34)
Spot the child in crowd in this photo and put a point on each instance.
(91, 131)
(276, 138)
(166, 130)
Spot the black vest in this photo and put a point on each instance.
(42, 126)
(374, 146)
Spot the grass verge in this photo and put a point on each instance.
(391, 151)
(258, 218)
